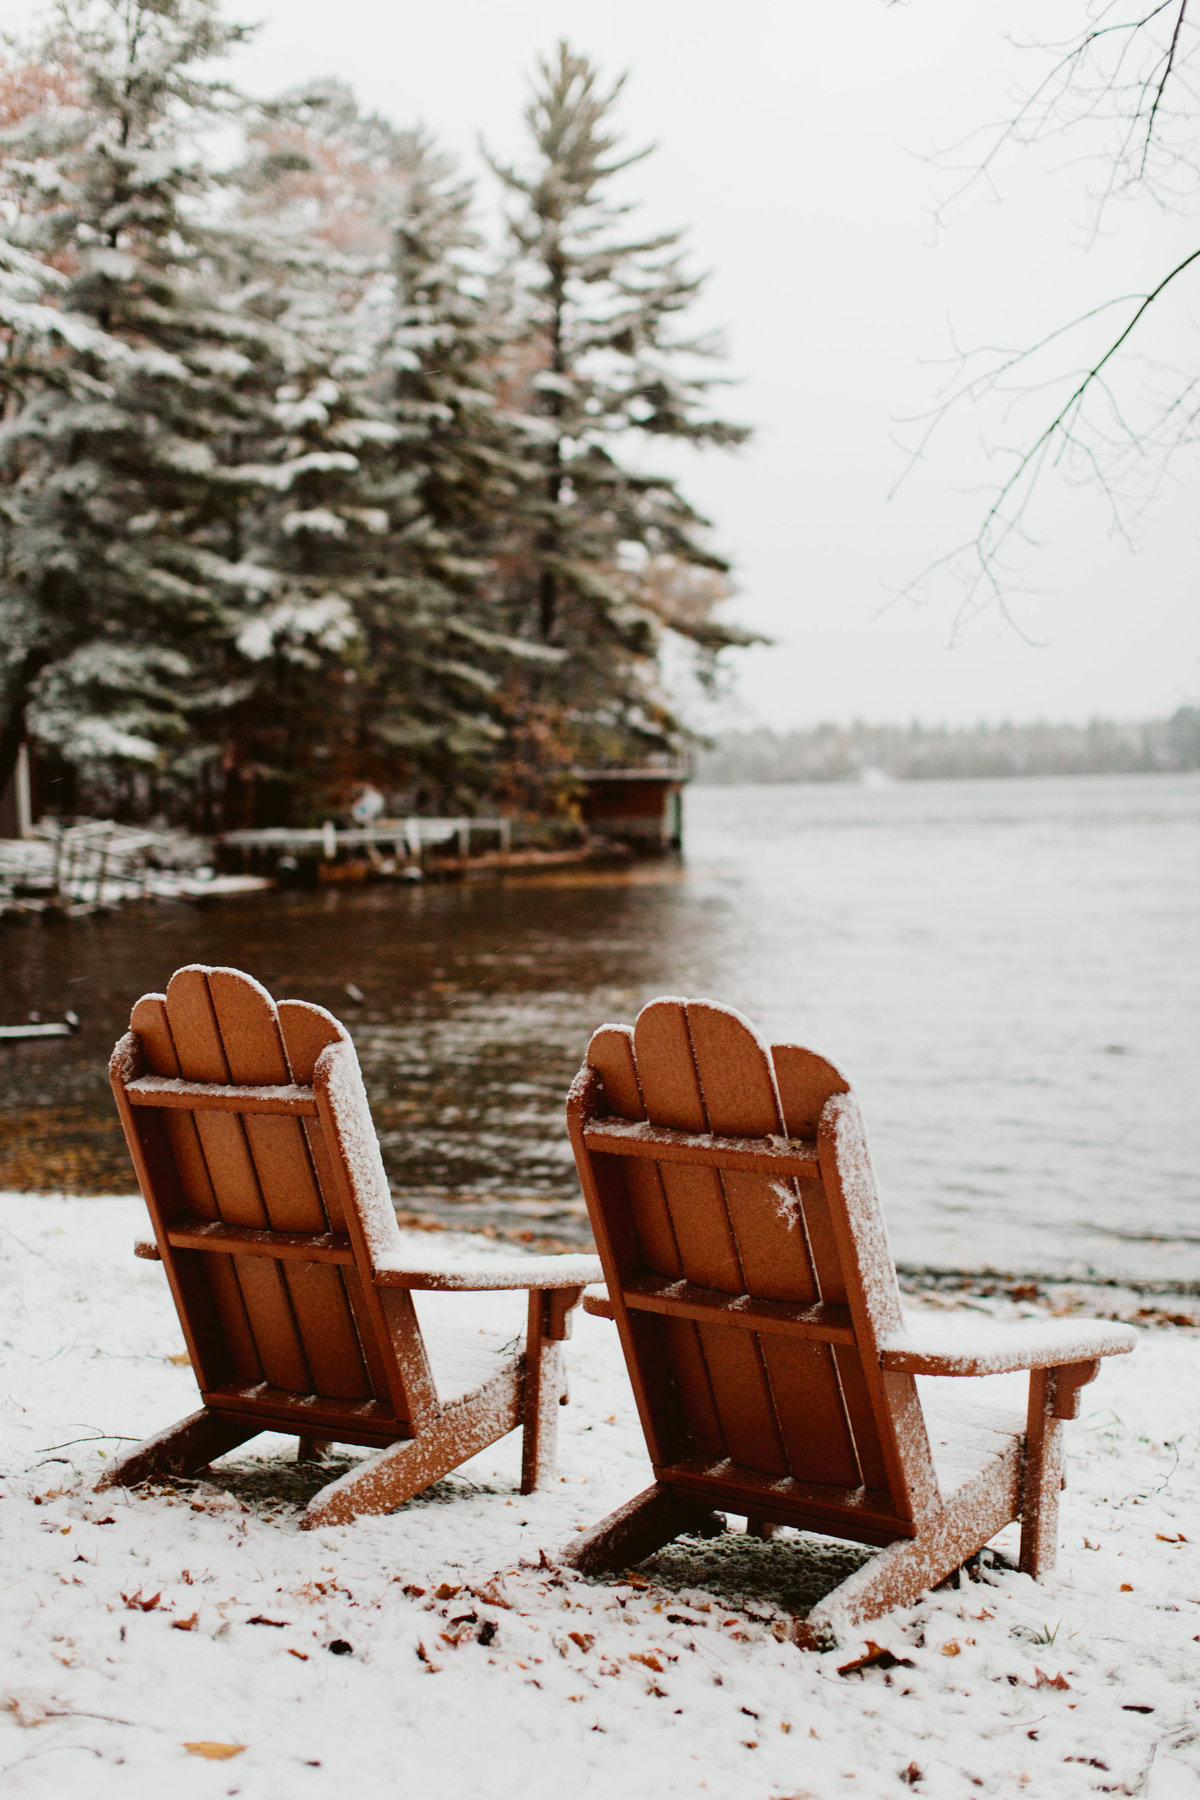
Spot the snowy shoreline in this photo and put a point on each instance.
(437, 1643)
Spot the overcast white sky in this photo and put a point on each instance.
(792, 139)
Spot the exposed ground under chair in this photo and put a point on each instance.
(749, 1275)
(251, 1136)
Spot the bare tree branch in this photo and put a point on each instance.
(1130, 78)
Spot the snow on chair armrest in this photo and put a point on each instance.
(500, 1272)
(942, 1348)
(597, 1302)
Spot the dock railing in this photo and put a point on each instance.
(406, 840)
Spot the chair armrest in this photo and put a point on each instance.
(989, 1349)
(597, 1302)
(504, 1272)
(147, 1249)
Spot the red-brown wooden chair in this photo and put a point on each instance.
(749, 1275)
(251, 1135)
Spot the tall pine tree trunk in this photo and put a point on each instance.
(548, 584)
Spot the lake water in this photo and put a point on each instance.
(1008, 971)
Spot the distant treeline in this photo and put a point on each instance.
(921, 753)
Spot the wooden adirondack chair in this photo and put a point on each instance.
(251, 1135)
(749, 1275)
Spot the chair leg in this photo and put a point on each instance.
(905, 1570)
(544, 1390)
(312, 1449)
(1043, 1476)
(180, 1450)
(408, 1468)
(757, 1526)
(643, 1525)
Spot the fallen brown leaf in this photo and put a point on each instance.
(213, 1752)
(446, 1591)
(875, 1657)
(649, 1662)
(492, 1595)
(584, 1639)
(1054, 1681)
(952, 1647)
(135, 1603)
(185, 1624)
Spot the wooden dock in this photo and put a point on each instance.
(403, 840)
(403, 849)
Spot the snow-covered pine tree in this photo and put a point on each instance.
(385, 293)
(440, 621)
(124, 587)
(612, 554)
(314, 253)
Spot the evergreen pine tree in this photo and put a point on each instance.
(124, 590)
(611, 555)
(396, 318)
(457, 469)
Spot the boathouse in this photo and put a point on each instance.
(639, 807)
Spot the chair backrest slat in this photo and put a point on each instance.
(149, 1020)
(308, 1030)
(780, 1405)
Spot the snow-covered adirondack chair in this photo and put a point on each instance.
(749, 1275)
(251, 1135)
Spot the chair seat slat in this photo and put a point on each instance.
(219, 1096)
(684, 1300)
(754, 1156)
(316, 1413)
(726, 1482)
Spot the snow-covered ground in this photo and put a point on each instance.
(192, 1641)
